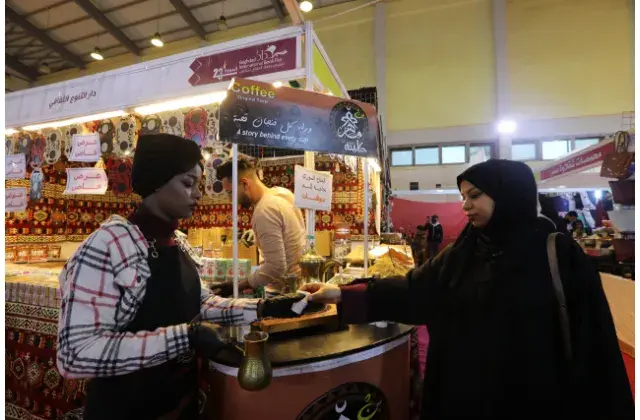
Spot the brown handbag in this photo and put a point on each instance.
(618, 164)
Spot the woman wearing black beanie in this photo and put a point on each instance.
(499, 343)
(133, 307)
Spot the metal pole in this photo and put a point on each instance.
(309, 157)
(365, 168)
(234, 211)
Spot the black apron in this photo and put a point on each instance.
(172, 297)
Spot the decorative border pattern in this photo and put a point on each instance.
(321, 365)
(14, 412)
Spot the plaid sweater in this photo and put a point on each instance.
(103, 285)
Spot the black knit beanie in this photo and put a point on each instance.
(160, 157)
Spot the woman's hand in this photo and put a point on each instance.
(323, 292)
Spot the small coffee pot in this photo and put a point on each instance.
(255, 372)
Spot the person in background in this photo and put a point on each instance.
(435, 234)
(133, 309)
(280, 231)
(499, 347)
(570, 217)
(580, 230)
(548, 211)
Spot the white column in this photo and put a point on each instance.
(380, 47)
(502, 106)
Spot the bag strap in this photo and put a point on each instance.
(621, 141)
(559, 291)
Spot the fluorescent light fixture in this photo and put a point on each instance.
(156, 41)
(10, 131)
(97, 55)
(561, 186)
(373, 164)
(79, 120)
(306, 6)
(507, 127)
(277, 84)
(598, 194)
(191, 101)
(330, 93)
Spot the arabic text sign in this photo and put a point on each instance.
(86, 181)
(85, 148)
(270, 57)
(313, 189)
(15, 199)
(260, 114)
(15, 166)
(578, 162)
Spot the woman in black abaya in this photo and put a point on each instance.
(496, 343)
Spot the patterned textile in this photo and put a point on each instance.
(108, 276)
(58, 217)
(34, 388)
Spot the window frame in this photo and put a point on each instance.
(402, 149)
(427, 146)
(567, 139)
(537, 149)
(466, 153)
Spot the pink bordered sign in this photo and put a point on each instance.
(15, 199)
(85, 148)
(86, 181)
(15, 166)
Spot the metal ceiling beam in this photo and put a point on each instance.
(279, 9)
(294, 11)
(39, 34)
(145, 20)
(187, 16)
(99, 17)
(20, 67)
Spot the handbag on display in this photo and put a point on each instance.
(618, 164)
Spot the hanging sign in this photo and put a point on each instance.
(86, 181)
(258, 113)
(85, 148)
(15, 199)
(578, 162)
(313, 189)
(15, 166)
(271, 57)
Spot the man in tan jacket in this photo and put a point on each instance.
(278, 226)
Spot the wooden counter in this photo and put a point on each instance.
(362, 367)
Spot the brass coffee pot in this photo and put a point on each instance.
(314, 267)
(255, 372)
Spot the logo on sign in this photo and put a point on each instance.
(350, 401)
(350, 125)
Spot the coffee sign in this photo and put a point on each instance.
(260, 114)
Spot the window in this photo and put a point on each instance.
(582, 143)
(454, 154)
(480, 153)
(523, 151)
(427, 156)
(553, 149)
(402, 157)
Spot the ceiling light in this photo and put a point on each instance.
(306, 6)
(598, 194)
(507, 127)
(79, 120)
(561, 186)
(10, 131)
(96, 54)
(191, 101)
(44, 68)
(222, 23)
(156, 41)
(277, 84)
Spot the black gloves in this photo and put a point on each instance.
(206, 338)
(279, 306)
(225, 288)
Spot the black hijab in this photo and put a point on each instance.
(512, 186)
